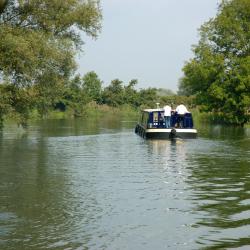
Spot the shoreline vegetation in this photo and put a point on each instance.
(125, 112)
(85, 97)
(92, 111)
(80, 97)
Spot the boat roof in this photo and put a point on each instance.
(153, 110)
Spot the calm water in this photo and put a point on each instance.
(96, 185)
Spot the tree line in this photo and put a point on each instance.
(76, 94)
(38, 43)
(219, 74)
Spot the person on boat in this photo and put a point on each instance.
(181, 110)
(167, 115)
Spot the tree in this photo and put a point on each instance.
(37, 36)
(15, 101)
(92, 86)
(219, 74)
(148, 97)
(38, 42)
(72, 97)
(131, 96)
(113, 95)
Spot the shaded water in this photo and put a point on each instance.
(96, 185)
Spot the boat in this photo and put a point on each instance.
(152, 125)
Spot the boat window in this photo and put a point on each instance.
(141, 120)
(155, 117)
(156, 120)
(144, 120)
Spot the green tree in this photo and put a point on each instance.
(219, 74)
(73, 97)
(15, 101)
(113, 95)
(5, 102)
(148, 97)
(131, 96)
(92, 86)
(37, 36)
(39, 39)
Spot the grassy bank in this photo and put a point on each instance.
(91, 110)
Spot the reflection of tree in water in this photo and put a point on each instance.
(221, 194)
(221, 132)
(37, 186)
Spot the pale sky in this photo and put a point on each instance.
(145, 40)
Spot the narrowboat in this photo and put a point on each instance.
(152, 125)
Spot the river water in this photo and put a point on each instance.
(79, 184)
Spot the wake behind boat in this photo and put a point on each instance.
(152, 125)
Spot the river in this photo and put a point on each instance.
(94, 184)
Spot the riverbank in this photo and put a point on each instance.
(93, 110)
(90, 111)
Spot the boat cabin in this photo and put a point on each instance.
(154, 118)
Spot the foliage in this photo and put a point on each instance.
(131, 95)
(79, 92)
(15, 101)
(117, 94)
(38, 42)
(113, 95)
(92, 86)
(175, 100)
(148, 97)
(219, 74)
(72, 97)
(80, 96)
(38, 37)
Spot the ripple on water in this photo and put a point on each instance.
(114, 190)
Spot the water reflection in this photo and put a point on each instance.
(216, 174)
(170, 150)
(81, 126)
(220, 193)
(99, 186)
(34, 195)
(221, 132)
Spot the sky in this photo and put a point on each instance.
(145, 40)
